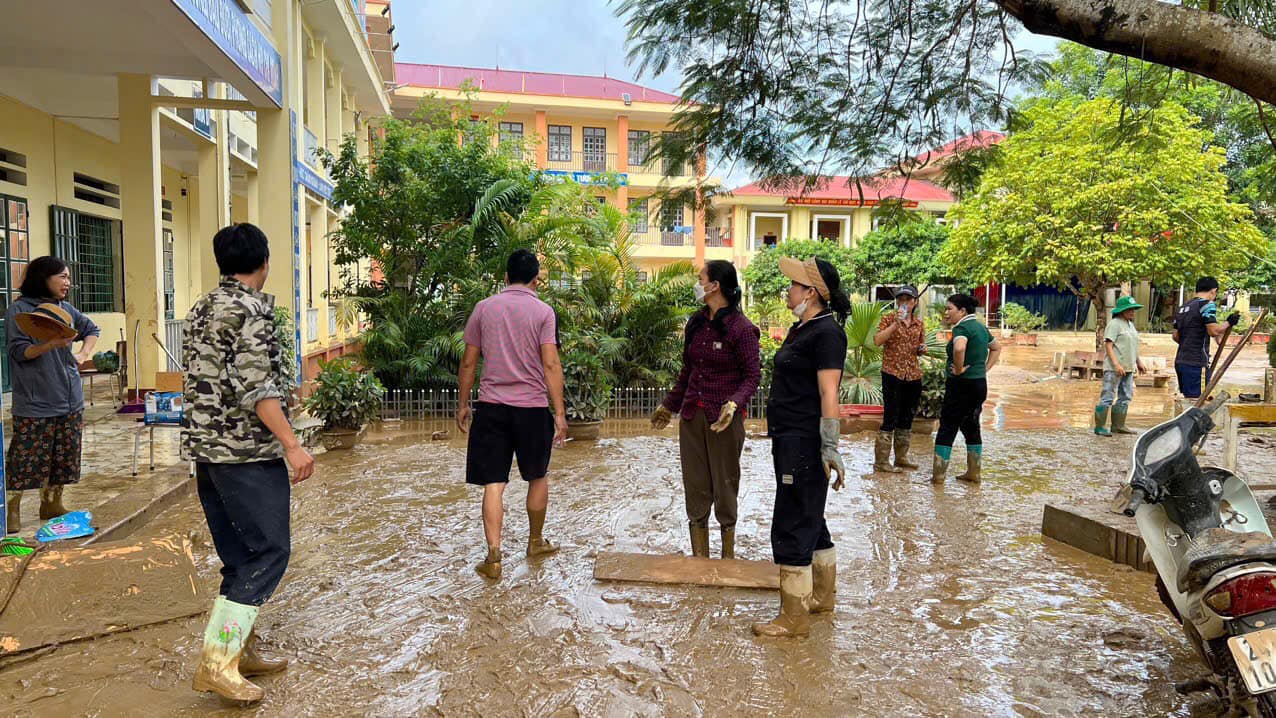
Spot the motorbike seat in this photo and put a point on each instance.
(1216, 549)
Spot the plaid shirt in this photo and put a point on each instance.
(717, 368)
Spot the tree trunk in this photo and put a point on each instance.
(1200, 42)
(1100, 319)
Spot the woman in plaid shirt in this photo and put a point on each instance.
(721, 368)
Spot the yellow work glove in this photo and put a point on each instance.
(660, 418)
(724, 417)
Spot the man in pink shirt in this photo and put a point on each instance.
(517, 336)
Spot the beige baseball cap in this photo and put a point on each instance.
(806, 273)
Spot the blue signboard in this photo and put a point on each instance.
(313, 180)
(226, 25)
(586, 177)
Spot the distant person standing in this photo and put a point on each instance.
(972, 353)
(1120, 361)
(516, 334)
(902, 337)
(236, 430)
(721, 368)
(1194, 324)
(48, 399)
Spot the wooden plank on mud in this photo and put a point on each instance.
(678, 569)
(1096, 531)
(69, 594)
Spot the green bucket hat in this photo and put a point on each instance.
(1125, 303)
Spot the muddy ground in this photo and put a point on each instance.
(950, 603)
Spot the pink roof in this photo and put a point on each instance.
(871, 190)
(982, 138)
(527, 83)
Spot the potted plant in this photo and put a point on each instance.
(345, 399)
(934, 379)
(107, 362)
(587, 385)
(1024, 322)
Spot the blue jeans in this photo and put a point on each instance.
(1190, 379)
(1117, 390)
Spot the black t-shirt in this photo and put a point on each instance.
(1194, 338)
(794, 406)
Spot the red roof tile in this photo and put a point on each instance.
(527, 83)
(982, 138)
(872, 190)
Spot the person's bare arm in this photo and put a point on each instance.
(994, 355)
(830, 381)
(959, 356)
(271, 413)
(465, 382)
(554, 381)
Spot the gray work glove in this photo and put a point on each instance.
(830, 433)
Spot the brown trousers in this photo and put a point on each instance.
(711, 468)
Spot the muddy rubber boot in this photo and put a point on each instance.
(903, 440)
(1101, 421)
(490, 566)
(253, 663)
(229, 626)
(728, 542)
(1119, 414)
(974, 455)
(700, 541)
(537, 545)
(51, 502)
(882, 454)
(939, 469)
(13, 513)
(795, 605)
(823, 580)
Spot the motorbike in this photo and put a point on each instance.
(1215, 559)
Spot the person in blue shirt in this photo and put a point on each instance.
(1194, 324)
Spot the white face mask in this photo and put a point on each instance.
(800, 310)
(700, 291)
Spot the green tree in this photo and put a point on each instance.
(1078, 205)
(902, 254)
(763, 275)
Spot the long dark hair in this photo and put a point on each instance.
(35, 283)
(722, 272)
(838, 302)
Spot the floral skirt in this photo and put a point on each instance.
(44, 452)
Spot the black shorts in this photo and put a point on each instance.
(499, 433)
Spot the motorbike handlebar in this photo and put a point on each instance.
(1136, 500)
(1219, 399)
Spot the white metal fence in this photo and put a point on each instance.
(174, 335)
(627, 403)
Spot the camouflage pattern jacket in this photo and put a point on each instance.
(233, 361)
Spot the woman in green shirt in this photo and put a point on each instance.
(971, 353)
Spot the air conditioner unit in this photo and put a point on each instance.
(627, 98)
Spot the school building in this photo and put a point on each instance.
(132, 131)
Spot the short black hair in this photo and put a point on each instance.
(964, 302)
(522, 267)
(240, 249)
(1205, 284)
(35, 283)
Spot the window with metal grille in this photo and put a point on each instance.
(594, 140)
(640, 216)
(170, 283)
(639, 147)
(91, 247)
(511, 132)
(670, 216)
(16, 250)
(560, 143)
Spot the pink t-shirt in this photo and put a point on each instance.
(509, 329)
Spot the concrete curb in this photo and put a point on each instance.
(140, 517)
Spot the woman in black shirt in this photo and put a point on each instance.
(802, 418)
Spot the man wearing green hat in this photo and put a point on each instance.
(1121, 345)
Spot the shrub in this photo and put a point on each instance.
(345, 397)
(1022, 320)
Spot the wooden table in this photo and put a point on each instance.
(1241, 416)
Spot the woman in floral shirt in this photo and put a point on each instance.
(902, 337)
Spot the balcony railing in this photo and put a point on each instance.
(581, 161)
(309, 144)
(656, 166)
(174, 336)
(716, 237)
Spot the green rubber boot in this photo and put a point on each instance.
(1118, 420)
(1101, 421)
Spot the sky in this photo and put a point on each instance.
(581, 37)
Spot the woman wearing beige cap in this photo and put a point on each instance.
(48, 399)
(802, 419)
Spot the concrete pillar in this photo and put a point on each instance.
(333, 118)
(276, 146)
(542, 142)
(316, 104)
(213, 197)
(622, 144)
(140, 211)
(318, 261)
(254, 198)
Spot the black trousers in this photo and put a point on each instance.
(246, 506)
(899, 402)
(963, 402)
(798, 528)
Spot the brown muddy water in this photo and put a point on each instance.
(949, 601)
